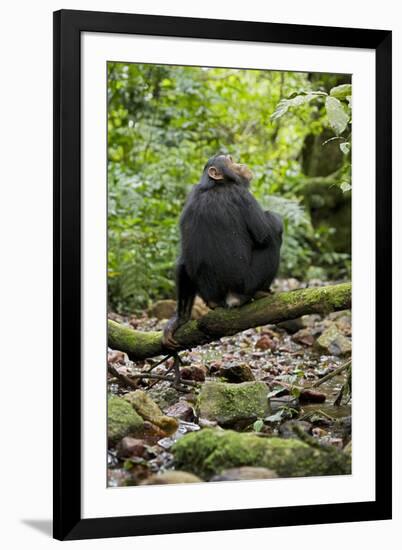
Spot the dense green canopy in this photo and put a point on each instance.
(164, 122)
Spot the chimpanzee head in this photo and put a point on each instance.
(221, 169)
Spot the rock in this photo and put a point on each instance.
(164, 396)
(292, 326)
(193, 372)
(200, 309)
(236, 373)
(209, 452)
(204, 423)
(308, 395)
(285, 401)
(318, 432)
(150, 411)
(265, 342)
(153, 433)
(163, 309)
(344, 323)
(333, 342)
(286, 429)
(122, 420)
(304, 336)
(181, 410)
(337, 315)
(129, 446)
(244, 473)
(172, 477)
(116, 357)
(231, 404)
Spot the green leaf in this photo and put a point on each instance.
(277, 417)
(294, 101)
(258, 425)
(342, 91)
(344, 147)
(337, 116)
(345, 186)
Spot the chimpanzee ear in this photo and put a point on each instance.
(214, 173)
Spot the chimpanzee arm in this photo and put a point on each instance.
(186, 291)
(258, 222)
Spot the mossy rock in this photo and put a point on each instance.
(332, 341)
(232, 404)
(210, 451)
(122, 420)
(164, 397)
(149, 410)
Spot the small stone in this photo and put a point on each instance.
(332, 341)
(129, 446)
(244, 473)
(200, 309)
(318, 432)
(291, 326)
(265, 343)
(153, 433)
(204, 423)
(236, 373)
(163, 309)
(193, 372)
(181, 410)
(164, 396)
(116, 357)
(304, 336)
(172, 477)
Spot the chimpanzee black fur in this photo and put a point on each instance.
(230, 247)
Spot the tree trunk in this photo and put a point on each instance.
(272, 309)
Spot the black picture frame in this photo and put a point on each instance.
(68, 522)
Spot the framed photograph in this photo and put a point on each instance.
(218, 185)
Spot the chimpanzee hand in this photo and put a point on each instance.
(170, 328)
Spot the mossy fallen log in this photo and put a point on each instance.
(272, 309)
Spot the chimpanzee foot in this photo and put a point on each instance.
(168, 340)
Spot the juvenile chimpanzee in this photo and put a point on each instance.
(229, 245)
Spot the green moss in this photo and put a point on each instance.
(230, 404)
(223, 322)
(122, 420)
(210, 451)
(133, 342)
(149, 410)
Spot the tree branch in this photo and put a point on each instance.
(275, 308)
